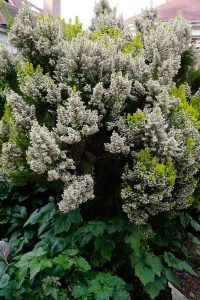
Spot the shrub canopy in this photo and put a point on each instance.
(96, 113)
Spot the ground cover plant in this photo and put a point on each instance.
(100, 153)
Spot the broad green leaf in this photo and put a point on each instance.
(105, 293)
(82, 264)
(172, 261)
(188, 268)
(35, 267)
(5, 189)
(19, 212)
(185, 220)
(101, 291)
(176, 263)
(72, 252)
(97, 227)
(198, 250)
(4, 281)
(135, 241)
(24, 260)
(74, 216)
(121, 295)
(171, 276)
(194, 239)
(3, 267)
(64, 261)
(79, 291)
(33, 218)
(155, 263)
(116, 225)
(154, 288)
(44, 214)
(194, 224)
(24, 197)
(105, 246)
(145, 274)
(61, 223)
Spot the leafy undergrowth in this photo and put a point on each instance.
(48, 254)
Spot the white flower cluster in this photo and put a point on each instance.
(44, 151)
(78, 192)
(74, 121)
(172, 138)
(10, 159)
(117, 144)
(45, 156)
(38, 87)
(112, 98)
(7, 63)
(42, 35)
(151, 193)
(105, 18)
(23, 114)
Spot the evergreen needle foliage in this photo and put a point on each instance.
(100, 143)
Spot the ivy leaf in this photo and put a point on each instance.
(145, 274)
(198, 250)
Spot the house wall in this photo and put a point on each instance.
(3, 37)
(53, 7)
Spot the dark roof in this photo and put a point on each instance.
(190, 9)
(2, 19)
(17, 3)
(13, 7)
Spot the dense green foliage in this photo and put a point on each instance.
(97, 116)
(66, 257)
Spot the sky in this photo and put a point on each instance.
(84, 8)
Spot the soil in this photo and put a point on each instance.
(190, 285)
